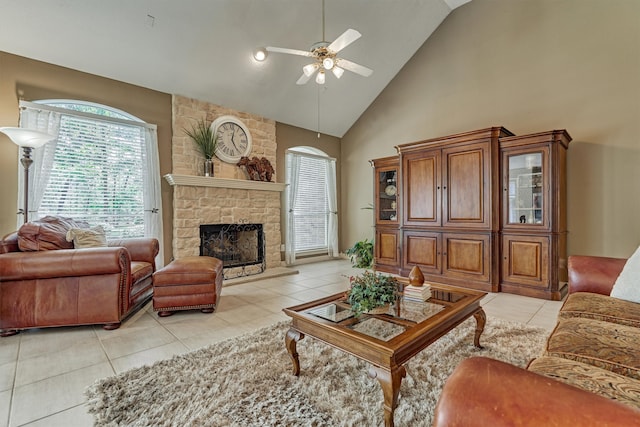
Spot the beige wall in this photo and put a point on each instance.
(529, 65)
(38, 80)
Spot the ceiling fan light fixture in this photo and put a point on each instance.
(309, 69)
(327, 63)
(337, 71)
(320, 77)
(260, 54)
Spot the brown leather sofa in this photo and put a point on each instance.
(64, 287)
(485, 392)
(588, 375)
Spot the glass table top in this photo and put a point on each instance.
(399, 317)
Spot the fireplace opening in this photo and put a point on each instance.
(240, 247)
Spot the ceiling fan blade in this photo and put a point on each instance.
(354, 68)
(304, 79)
(288, 51)
(344, 40)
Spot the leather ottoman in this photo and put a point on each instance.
(189, 283)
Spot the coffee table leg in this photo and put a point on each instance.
(291, 340)
(390, 382)
(481, 319)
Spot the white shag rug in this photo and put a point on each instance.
(247, 381)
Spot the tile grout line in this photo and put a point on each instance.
(13, 383)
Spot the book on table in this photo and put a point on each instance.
(417, 293)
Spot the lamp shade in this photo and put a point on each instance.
(309, 69)
(27, 137)
(327, 63)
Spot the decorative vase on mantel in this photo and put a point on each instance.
(205, 140)
(208, 167)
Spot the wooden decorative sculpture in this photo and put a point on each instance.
(257, 169)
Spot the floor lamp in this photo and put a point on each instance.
(28, 139)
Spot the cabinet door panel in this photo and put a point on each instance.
(385, 176)
(466, 179)
(526, 189)
(421, 181)
(422, 249)
(525, 260)
(386, 247)
(467, 255)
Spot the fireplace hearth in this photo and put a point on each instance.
(240, 247)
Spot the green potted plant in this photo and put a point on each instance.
(371, 290)
(361, 254)
(206, 141)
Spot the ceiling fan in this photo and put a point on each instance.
(325, 57)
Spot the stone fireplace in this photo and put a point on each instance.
(228, 197)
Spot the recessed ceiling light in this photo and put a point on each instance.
(260, 54)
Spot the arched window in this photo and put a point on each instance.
(101, 168)
(312, 225)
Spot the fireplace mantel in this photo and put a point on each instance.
(206, 181)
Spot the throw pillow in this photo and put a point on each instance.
(627, 285)
(48, 233)
(93, 237)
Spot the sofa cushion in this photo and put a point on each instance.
(627, 285)
(601, 307)
(590, 378)
(603, 344)
(48, 233)
(140, 270)
(93, 237)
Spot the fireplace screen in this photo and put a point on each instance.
(240, 247)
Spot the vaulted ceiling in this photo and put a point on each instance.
(203, 48)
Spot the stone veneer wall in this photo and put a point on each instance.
(193, 206)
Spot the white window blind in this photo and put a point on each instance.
(311, 210)
(97, 174)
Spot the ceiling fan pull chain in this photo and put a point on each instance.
(319, 106)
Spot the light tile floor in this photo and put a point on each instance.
(43, 373)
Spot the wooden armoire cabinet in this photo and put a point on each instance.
(458, 214)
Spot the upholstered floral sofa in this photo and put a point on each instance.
(59, 272)
(588, 374)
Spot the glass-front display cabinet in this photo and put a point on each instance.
(526, 184)
(387, 213)
(534, 224)
(386, 190)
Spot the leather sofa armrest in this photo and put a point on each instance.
(9, 243)
(142, 249)
(593, 273)
(64, 263)
(487, 392)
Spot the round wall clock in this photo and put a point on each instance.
(234, 139)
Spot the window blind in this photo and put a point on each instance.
(97, 174)
(311, 208)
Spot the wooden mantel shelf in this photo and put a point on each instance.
(206, 181)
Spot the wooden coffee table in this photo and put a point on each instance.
(387, 341)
